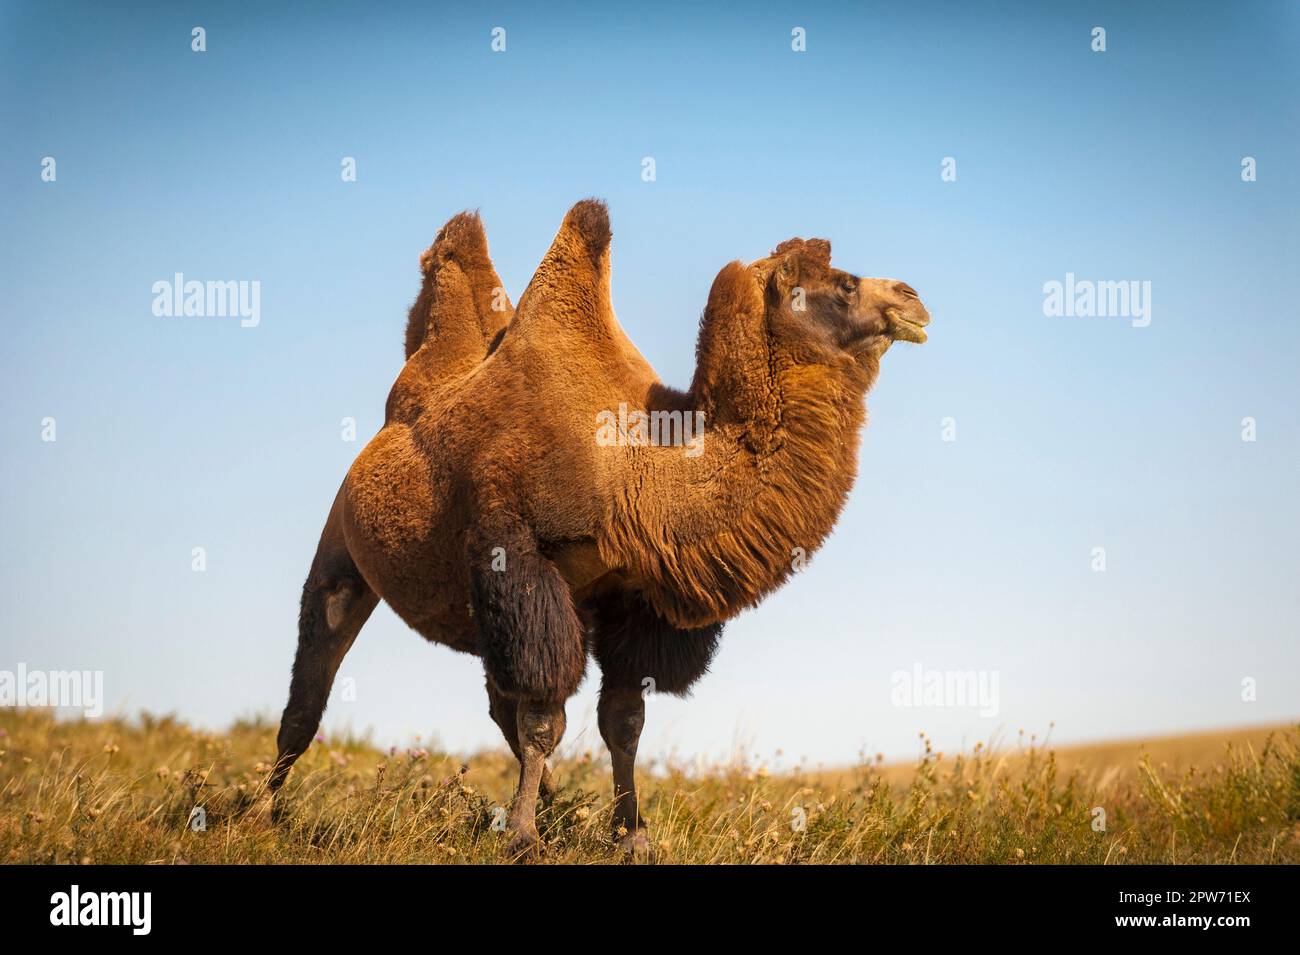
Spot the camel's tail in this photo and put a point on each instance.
(462, 305)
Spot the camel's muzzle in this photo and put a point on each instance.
(907, 323)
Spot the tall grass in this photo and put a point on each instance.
(118, 791)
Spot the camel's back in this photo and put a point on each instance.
(523, 426)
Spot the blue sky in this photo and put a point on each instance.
(1072, 433)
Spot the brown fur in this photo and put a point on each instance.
(636, 554)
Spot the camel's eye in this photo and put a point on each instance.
(848, 287)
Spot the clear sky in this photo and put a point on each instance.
(1072, 433)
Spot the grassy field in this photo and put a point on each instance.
(114, 791)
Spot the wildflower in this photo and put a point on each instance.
(163, 772)
(111, 748)
(1020, 853)
(581, 813)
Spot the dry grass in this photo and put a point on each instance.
(123, 792)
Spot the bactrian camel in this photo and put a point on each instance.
(490, 517)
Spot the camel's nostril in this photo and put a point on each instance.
(903, 288)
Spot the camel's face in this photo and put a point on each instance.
(813, 307)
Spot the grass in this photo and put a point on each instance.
(117, 791)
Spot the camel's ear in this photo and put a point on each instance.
(571, 285)
(798, 261)
(784, 277)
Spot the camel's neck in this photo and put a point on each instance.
(708, 534)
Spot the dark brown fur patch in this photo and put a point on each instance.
(529, 635)
(632, 643)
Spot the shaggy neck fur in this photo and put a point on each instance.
(724, 529)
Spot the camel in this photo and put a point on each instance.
(491, 519)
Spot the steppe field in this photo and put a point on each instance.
(154, 790)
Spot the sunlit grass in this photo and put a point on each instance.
(114, 791)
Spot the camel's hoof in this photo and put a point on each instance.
(523, 844)
(279, 814)
(635, 845)
(262, 813)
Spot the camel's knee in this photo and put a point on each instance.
(330, 616)
(620, 715)
(540, 726)
(334, 607)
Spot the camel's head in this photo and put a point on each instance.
(792, 310)
(814, 308)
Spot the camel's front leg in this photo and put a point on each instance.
(621, 715)
(638, 649)
(540, 727)
(531, 642)
(505, 713)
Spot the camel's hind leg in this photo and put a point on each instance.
(336, 602)
(531, 642)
